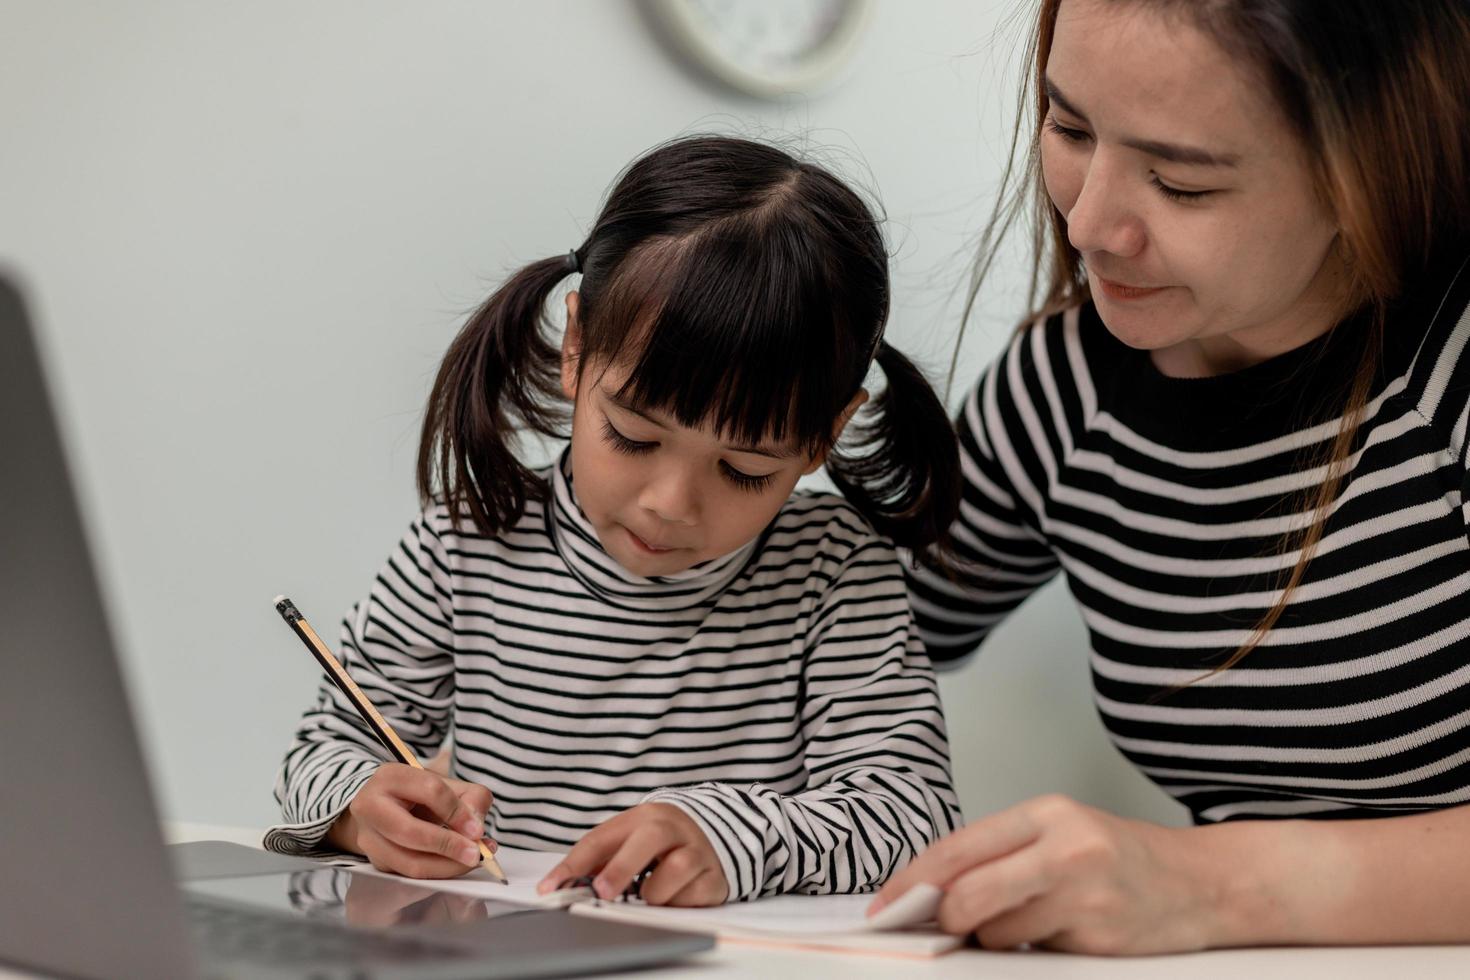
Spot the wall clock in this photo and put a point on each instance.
(765, 48)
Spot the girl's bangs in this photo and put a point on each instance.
(730, 331)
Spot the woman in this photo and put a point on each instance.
(1239, 426)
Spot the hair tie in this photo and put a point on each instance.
(573, 261)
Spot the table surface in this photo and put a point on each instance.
(728, 960)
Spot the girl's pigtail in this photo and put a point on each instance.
(501, 376)
(906, 479)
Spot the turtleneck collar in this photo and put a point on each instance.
(576, 542)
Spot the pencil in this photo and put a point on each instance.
(359, 700)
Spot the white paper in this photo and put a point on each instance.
(828, 921)
(523, 869)
(800, 915)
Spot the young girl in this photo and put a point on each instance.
(653, 650)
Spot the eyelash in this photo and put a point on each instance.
(622, 444)
(1173, 193)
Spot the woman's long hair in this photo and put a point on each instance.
(1378, 93)
(746, 291)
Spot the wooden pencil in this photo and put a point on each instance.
(354, 694)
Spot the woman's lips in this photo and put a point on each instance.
(1119, 291)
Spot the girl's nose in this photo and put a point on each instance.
(672, 495)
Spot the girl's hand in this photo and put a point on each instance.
(1055, 873)
(687, 872)
(414, 822)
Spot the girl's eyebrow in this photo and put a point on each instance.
(733, 447)
(1173, 152)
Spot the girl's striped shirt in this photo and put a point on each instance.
(1164, 501)
(779, 696)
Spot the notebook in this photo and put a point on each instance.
(832, 923)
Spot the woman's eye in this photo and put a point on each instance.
(1066, 133)
(622, 443)
(1175, 194)
(745, 481)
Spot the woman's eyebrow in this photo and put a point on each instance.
(1173, 152)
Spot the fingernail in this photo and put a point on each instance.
(491, 844)
(473, 827)
(543, 886)
(603, 888)
(469, 854)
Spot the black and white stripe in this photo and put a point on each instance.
(780, 695)
(1165, 500)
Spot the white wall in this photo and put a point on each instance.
(251, 229)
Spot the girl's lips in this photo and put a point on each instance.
(1118, 291)
(644, 545)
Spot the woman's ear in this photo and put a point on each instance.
(571, 347)
(847, 413)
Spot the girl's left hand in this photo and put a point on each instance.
(687, 871)
(1052, 872)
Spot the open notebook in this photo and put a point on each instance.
(828, 922)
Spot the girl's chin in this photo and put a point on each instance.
(652, 566)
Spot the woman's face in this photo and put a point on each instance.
(1184, 190)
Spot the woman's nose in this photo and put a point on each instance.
(1102, 219)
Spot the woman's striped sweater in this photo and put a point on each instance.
(1165, 502)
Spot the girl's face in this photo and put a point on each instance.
(662, 496)
(1190, 200)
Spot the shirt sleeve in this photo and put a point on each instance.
(1003, 556)
(875, 755)
(398, 645)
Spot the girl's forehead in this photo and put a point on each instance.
(610, 391)
(776, 448)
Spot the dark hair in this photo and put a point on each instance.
(1378, 93)
(747, 291)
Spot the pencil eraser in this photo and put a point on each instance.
(287, 609)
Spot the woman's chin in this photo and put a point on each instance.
(1143, 330)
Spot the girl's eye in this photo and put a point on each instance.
(1066, 133)
(622, 443)
(1174, 193)
(755, 484)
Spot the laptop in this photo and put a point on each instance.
(87, 888)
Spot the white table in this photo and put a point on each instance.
(1334, 963)
(1328, 963)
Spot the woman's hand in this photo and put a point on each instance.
(1055, 873)
(687, 870)
(415, 822)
